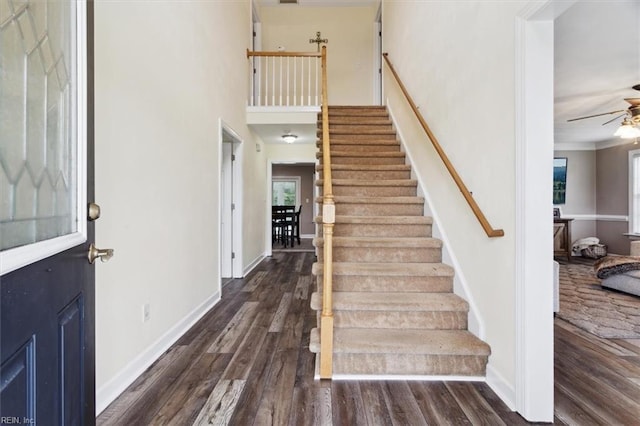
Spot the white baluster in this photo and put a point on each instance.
(316, 69)
(309, 81)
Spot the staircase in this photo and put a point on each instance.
(394, 308)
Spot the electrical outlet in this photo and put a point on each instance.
(146, 312)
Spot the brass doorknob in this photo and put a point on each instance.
(95, 253)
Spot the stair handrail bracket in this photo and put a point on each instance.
(489, 230)
(328, 221)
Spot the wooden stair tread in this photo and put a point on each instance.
(393, 301)
(367, 167)
(382, 220)
(385, 269)
(365, 182)
(357, 109)
(363, 121)
(349, 120)
(359, 132)
(387, 242)
(351, 141)
(406, 341)
(348, 199)
(374, 154)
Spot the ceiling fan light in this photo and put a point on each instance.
(627, 130)
(289, 138)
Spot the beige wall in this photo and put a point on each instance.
(613, 179)
(457, 60)
(349, 51)
(581, 192)
(598, 184)
(165, 73)
(612, 186)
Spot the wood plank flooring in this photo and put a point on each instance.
(247, 363)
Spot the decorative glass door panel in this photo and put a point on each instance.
(40, 159)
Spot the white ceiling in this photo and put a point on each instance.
(597, 61)
(272, 133)
(323, 3)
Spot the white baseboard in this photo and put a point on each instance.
(501, 387)
(108, 392)
(252, 265)
(596, 217)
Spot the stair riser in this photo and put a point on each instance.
(375, 191)
(350, 140)
(363, 147)
(367, 230)
(409, 364)
(397, 209)
(400, 320)
(370, 175)
(356, 113)
(359, 128)
(384, 255)
(336, 111)
(389, 284)
(366, 160)
(335, 119)
(364, 137)
(347, 120)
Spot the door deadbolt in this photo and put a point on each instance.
(93, 211)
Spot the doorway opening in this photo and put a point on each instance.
(293, 185)
(230, 238)
(377, 57)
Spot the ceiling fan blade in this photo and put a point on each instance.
(597, 115)
(613, 119)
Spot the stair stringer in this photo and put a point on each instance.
(460, 283)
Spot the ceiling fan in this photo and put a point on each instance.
(629, 128)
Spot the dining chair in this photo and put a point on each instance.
(296, 233)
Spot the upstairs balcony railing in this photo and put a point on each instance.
(285, 79)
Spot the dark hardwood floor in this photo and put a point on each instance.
(247, 363)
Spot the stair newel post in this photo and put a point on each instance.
(328, 220)
(326, 318)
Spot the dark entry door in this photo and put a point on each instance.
(46, 170)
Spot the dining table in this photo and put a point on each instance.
(283, 224)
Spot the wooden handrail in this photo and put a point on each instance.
(328, 221)
(443, 156)
(285, 54)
